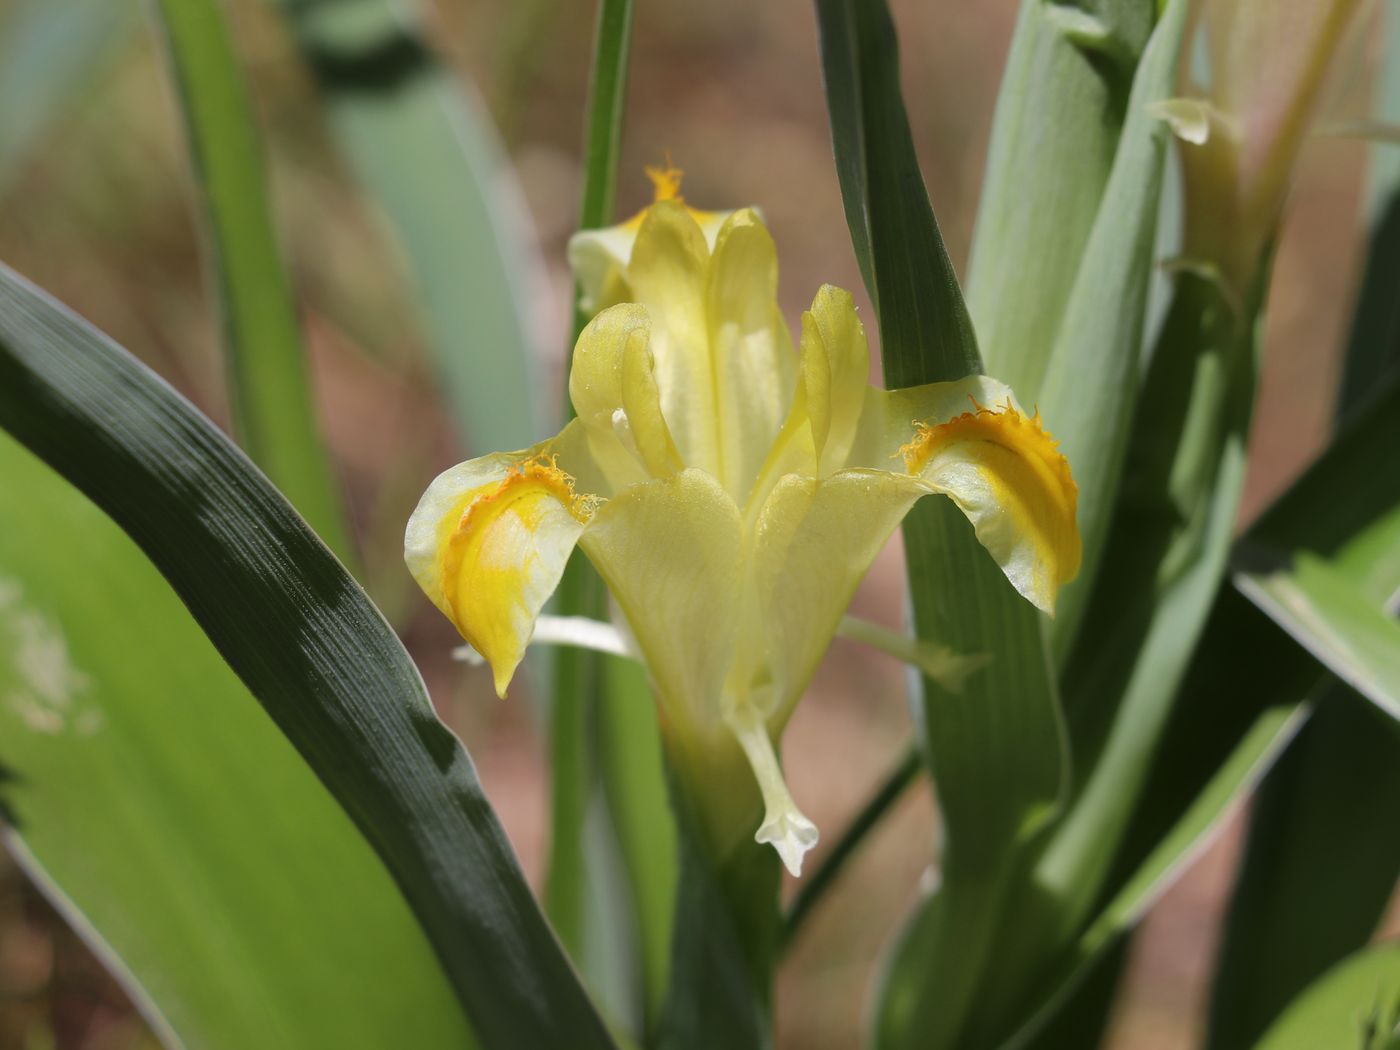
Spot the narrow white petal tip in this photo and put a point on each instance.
(792, 835)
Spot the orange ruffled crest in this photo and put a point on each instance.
(490, 556)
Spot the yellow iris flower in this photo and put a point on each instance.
(732, 494)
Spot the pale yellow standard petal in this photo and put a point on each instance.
(488, 544)
(1005, 472)
(671, 553)
(829, 401)
(599, 258)
(750, 358)
(814, 543)
(614, 391)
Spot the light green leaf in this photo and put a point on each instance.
(1060, 110)
(996, 749)
(1315, 604)
(420, 144)
(1090, 387)
(273, 407)
(1355, 1004)
(1166, 554)
(1324, 562)
(160, 809)
(308, 645)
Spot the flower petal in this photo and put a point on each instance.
(750, 353)
(971, 441)
(670, 551)
(614, 391)
(815, 541)
(488, 544)
(829, 401)
(723, 359)
(784, 825)
(599, 258)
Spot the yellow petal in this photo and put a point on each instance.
(599, 258)
(827, 406)
(784, 826)
(723, 360)
(750, 356)
(488, 544)
(814, 543)
(1004, 471)
(670, 551)
(614, 391)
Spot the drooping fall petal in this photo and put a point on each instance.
(488, 544)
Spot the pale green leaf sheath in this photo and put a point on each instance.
(732, 493)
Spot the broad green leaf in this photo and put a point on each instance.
(1355, 640)
(1091, 380)
(1245, 763)
(1355, 1004)
(50, 56)
(1325, 560)
(1162, 566)
(1320, 866)
(996, 749)
(271, 393)
(419, 143)
(308, 645)
(160, 809)
(1062, 105)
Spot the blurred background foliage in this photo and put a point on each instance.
(97, 205)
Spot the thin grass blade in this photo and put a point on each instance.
(270, 389)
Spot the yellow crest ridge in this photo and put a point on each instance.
(1004, 426)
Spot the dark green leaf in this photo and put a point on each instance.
(160, 809)
(270, 388)
(996, 749)
(309, 646)
(1321, 863)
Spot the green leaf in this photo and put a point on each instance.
(1355, 1004)
(308, 645)
(1195, 799)
(273, 407)
(996, 749)
(160, 809)
(925, 331)
(631, 766)
(419, 143)
(711, 1000)
(1059, 114)
(1296, 910)
(1165, 557)
(1325, 560)
(1091, 382)
(1356, 641)
(50, 56)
